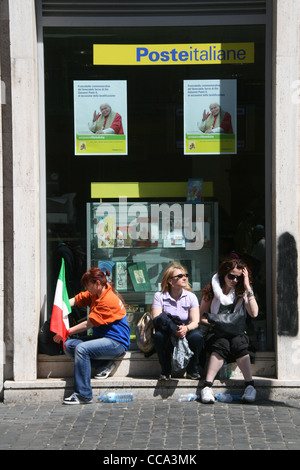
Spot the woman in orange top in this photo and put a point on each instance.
(111, 333)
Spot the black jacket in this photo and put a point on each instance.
(165, 322)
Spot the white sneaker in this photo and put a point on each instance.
(207, 395)
(104, 373)
(249, 394)
(76, 399)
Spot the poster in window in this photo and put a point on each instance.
(106, 266)
(194, 190)
(106, 232)
(100, 117)
(210, 117)
(121, 276)
(139, 277)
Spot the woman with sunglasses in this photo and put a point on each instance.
(175, 300)
(232, 280)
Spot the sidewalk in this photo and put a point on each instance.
(158, 425)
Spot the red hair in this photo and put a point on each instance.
(94, 275)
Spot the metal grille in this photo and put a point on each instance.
(76, 8)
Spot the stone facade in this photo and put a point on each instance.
(20, 176)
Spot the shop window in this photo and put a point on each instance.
(155, 142)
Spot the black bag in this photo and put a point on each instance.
(228, 323)
(46, 345)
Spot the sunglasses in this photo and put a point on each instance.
(233, 276)
(179, 276)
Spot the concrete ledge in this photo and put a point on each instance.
(135, 364)
(43, 390)
(139, 374)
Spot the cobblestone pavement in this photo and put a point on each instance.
(151, 425)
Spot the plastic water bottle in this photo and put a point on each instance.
(228, 397)
(223, 371)
(116, 397)
(188, 397)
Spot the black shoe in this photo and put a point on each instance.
(104, 373)
(193, 376)
(76, 399)
(164, 377)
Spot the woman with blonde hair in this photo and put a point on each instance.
(175, 311)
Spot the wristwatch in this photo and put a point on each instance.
(249, 292)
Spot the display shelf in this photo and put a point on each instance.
(136, 247)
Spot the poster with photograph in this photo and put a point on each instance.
(210, 117)
(121, 276)
(106, 232)
(100, 117)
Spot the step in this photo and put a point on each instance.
(54, 390)
(137, 373)
(135, 364)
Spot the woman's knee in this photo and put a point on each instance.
(160, 338)
(195, 338)
(70, 346)
(221, 347)
(81, 350)
(239, 346)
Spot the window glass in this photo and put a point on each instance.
(155, 121)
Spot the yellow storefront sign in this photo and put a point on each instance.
(173, 54)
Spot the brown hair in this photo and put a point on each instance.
(224, 268)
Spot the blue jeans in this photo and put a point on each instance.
(88, 352)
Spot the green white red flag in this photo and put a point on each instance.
(59, 323)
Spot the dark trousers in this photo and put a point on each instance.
(164, 349)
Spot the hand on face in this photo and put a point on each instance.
(246, 279)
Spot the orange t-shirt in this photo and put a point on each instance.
(105, 309)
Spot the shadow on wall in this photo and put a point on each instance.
(287, 286)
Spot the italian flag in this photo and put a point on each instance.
(59, 323)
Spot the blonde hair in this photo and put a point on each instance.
(169, 272)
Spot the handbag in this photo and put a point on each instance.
(144, 334)
(229, 323)
(46, 345)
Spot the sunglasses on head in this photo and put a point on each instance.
(233, 276)
(179, 276)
